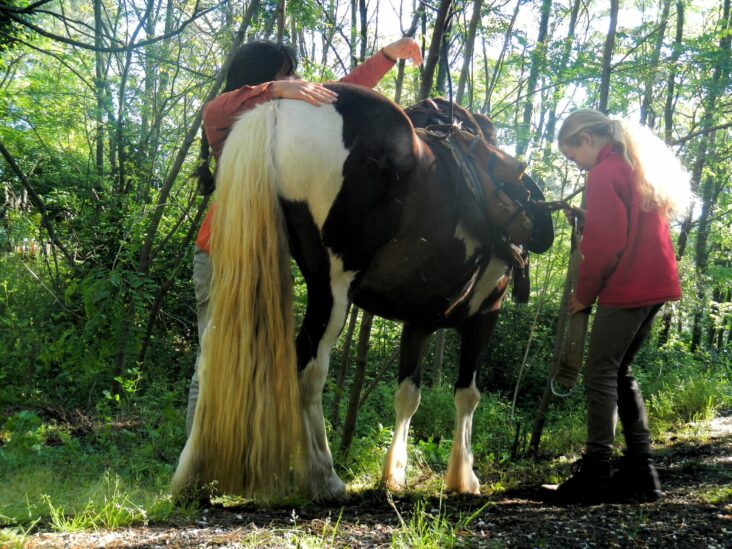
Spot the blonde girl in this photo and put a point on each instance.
(634, 185)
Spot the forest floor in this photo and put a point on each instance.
(696, 511)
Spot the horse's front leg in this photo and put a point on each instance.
(324, 318)
(474, 334)
(406, 402)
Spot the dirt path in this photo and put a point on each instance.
(695, 512)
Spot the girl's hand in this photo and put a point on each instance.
(312, 93)
(575, 305)
(404, 48)
(573, 213)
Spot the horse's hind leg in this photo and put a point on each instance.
(324, 318)
(460, 476)
(406, 402)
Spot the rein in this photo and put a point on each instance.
(561, 204)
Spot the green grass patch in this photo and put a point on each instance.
(715, 495)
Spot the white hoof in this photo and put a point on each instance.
(395, 483)
(467, 484)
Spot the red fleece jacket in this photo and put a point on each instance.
(628, 258)
(221, 112)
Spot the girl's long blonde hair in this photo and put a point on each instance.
(662, 181)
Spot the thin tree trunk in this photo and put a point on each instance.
(400, 65)
(99, 84)
(701, 252)
(157, 305)
(551, 123)
(668, 109)
(499, 62)
(469, 46)
(335, 415)
(281, 13)
(433, 54)
(354, 33)
(655, 56)
(668, 123)
(719, 81)
(377, 378)
(349, 426)
(146, 255)
(538, 61)
(157, 215)
(363, 16)
(607, 56)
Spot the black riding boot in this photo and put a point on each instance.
(636, 479)
(589, 483)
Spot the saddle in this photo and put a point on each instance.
(495, 180)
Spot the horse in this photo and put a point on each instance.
(372, 215)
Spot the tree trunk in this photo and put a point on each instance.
(538, 61)
(433, 54)
(668, 124)
(146, 255)
(99, 84)
(349, 426)
(363, 15)
(354, 33)
(668, 109)
(400, 65)
(701, 253)
(157, 215)
(718, 84)
(607, 56)
(655, 56)
(499, 62)
(551, 123)
(281, 14)
(335, 416)
(468, 56)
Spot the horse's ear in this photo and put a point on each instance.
(486, 127)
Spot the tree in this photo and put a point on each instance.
(434, 50)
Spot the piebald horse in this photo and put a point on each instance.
(372, 216)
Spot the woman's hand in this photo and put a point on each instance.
(315, 94)
(575, 305)
(404, 48)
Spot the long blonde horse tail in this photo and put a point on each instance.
(247, 425)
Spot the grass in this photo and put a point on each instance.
(714, 495)
(116, 471)
(112, 475)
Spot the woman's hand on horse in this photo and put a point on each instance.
(312, 93)
(404, 48)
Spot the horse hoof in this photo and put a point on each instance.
(331, 491)
(394, 485)
(469, 486)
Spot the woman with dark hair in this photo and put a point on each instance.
(260, 72)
